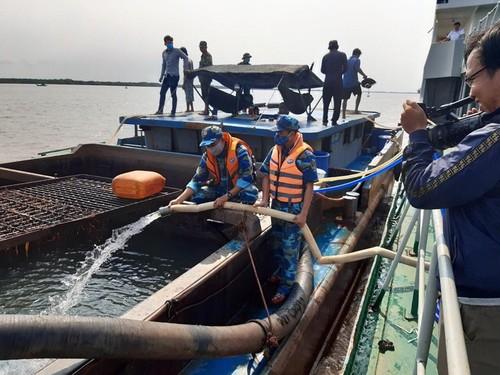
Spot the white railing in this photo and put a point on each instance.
(492, 17)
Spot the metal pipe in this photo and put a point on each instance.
(397, 259)
(26, 336)
(424, 235)
(455, 343)
(425, 331)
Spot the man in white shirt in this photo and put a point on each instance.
(456, 34)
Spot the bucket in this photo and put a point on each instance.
(322, 160)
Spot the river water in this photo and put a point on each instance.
(35, 119)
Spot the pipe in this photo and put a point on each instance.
(30, 336)
(345, 253)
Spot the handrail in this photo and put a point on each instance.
(455, 344)
(483, 22)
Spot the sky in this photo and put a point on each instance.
(122, 40)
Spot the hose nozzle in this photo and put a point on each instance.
(164, 211)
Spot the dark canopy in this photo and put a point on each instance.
(260, 76)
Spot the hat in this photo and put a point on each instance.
(246, 55)
(333, 44)
(286, 123)
(203, 43)
(210, 134)
(368, 83)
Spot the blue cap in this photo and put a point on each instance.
(286, 123)
(210, 134)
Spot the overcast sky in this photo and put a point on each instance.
(122, 40)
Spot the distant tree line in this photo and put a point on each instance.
(75, 82)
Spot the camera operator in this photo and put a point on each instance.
(466, 182)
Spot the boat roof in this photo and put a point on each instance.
(265, 76)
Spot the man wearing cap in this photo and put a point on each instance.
(351, 83)
(169, 76)
(289, 175)
(333, 65)
(225, 173)
(246, 59)
(205, 60)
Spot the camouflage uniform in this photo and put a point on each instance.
(286, 236)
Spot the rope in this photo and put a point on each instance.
(270, 334)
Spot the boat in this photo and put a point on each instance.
(41, 84)
(396, 325)
(213, 315)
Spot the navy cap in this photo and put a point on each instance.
(286, 123)
(210, 134)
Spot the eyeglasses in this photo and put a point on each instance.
(469, 80)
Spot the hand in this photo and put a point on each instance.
(175, 201)
(161, 79)
(261, 203)
(219, 202)
(300, 219)
(472, 111)
(413, 117)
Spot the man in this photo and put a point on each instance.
(205, 60)
(351, 83)
(225, 173)
(333, 65)
(466, 182)
(169, 76)
(289, 175)
(246, 59)
(456, 34)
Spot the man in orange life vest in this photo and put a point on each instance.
(290, 172)
(225, 173)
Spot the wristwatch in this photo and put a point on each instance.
(229, 194)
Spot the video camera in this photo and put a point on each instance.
(451, 132)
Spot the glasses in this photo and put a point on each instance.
(469, 80)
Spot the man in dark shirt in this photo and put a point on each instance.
(333, 65)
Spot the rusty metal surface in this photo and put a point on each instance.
(29, 211)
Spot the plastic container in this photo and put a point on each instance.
(137, 184)
(322, 160)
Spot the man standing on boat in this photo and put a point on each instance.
(245, 59)
(289, 175)
(225, 173)
(351, 83)
(169, 76)
(205, 60)
(466, 182)
(333, 65)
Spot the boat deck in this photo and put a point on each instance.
(396, 321)
(311, 128)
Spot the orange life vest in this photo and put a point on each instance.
(286, 182)
(231, 159)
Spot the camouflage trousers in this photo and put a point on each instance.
(287, 240)
(211, 193)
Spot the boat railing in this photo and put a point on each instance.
(456, 353)
(492, 17)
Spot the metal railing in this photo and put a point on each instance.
(492, 17)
